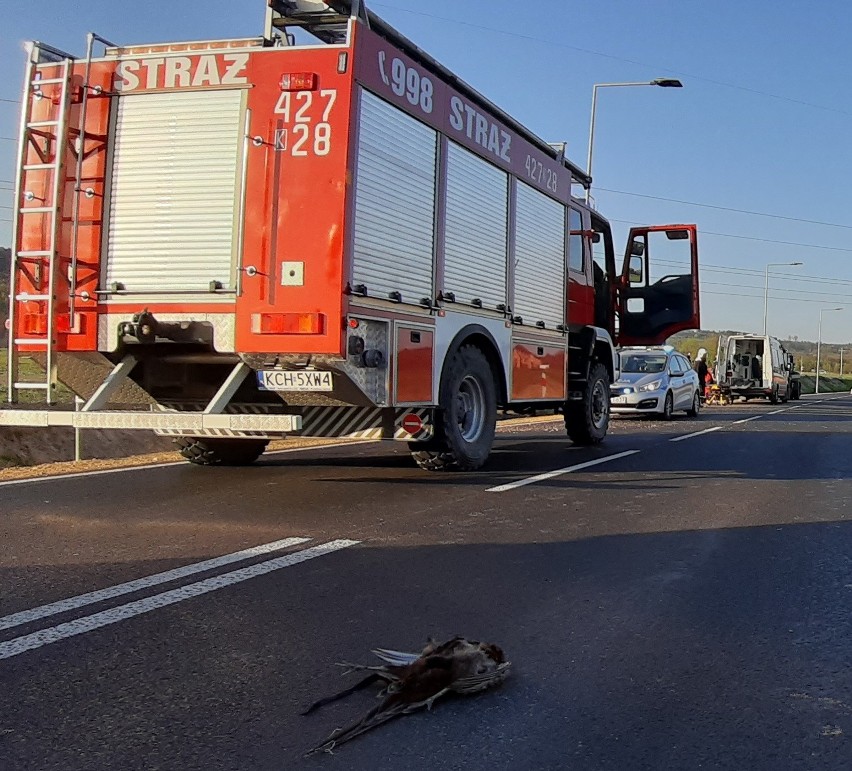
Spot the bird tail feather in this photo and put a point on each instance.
(397, 658)
(374, 718)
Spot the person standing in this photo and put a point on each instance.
(700, 366)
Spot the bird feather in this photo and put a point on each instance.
(398, 658)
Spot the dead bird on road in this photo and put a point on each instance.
(416, 680)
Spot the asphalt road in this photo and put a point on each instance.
(678, 598)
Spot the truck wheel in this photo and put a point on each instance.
(587, 421)
(696, 406)
(467, 416)
(221, 452)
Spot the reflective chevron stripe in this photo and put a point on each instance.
(341, 422)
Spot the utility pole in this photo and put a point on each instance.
(841, 361)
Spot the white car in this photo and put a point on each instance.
(656, 380)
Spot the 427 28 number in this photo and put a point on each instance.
(538, 173)
(299, 110)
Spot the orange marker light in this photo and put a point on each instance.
(292, 323)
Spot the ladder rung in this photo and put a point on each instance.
(30, 341)
(39, 166)
(24, 297)
(42, 123)
(36, 253)
(35, 386)
(47, 81)
(36, 209)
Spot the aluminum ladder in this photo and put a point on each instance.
(327, 21)
(47, 140)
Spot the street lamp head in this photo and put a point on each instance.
(667, 83)
(797, 263)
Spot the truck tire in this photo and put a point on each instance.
(221, 452)
(587, 421)
(467, 416)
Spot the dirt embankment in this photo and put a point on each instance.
(34, 446)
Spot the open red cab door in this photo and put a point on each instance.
(658, 288)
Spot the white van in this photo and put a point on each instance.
(754, 366)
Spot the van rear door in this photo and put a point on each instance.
(658, 288)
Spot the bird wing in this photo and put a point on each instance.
(396, 658)
(481, 682)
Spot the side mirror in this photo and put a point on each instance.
(637, 249)
(635, 274)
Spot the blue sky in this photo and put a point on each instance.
(760, 125)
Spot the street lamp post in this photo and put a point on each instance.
(819, 343)
(841, 361)
(662, 82)
(766, 288)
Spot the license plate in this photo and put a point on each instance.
(618, 400)
(304, 380)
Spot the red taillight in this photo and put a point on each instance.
(298, 81)
(291, 323)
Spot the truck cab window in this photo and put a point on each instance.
(576, 243)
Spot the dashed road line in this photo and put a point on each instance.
(558, 472)
(747, 420)
(696, 433)
(85, 624)
(81, 600)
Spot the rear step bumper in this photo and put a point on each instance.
(151, 420)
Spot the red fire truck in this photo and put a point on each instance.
(318, 232)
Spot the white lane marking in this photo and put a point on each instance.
(143, 467)
(775, 412)
(696, 433)
(746, 420)
(79, 474)
(53, 634)
(60, 606)
(558, 472)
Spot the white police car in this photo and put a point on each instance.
(655, 380)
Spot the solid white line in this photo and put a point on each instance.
(143, 467)
(558, 472)
(79, 474)
(697, 433)
(775, 412)
(51, 609)
(112, 616)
